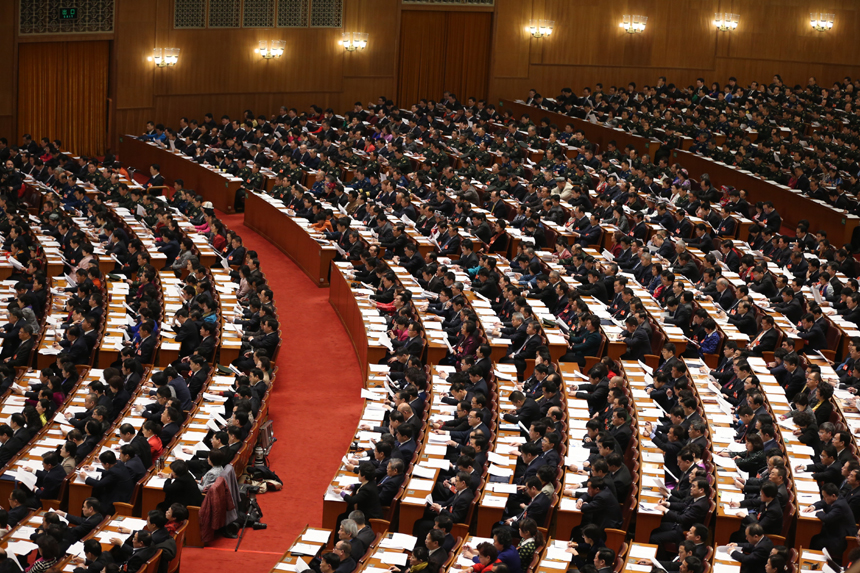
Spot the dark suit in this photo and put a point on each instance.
(49, 482)
(188, 336)
(13, 445)
(115, 485)
(601, 510)
(388, 488)
(144, 452)
(365, 499)
(753, 557)
(638, 345)
(837, 523)
(526, 413)
(145, 352)
(16, 514)
(182, 490)
(679, 518)
(80, 527)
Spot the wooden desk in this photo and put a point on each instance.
(294, 241)
(347, 308)
(213, 186)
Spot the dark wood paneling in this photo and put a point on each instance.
(6, 127)
(510, 40)
(135, 39)
(7, 67)
(680, 42)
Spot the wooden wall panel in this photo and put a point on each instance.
(7, 69)
(680, 42)
(510, 40)
(780, 30)
(380, 19)
(133, 43)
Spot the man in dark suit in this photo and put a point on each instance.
(132, 437)
(813, 336)
(518, 356)
(14, 437)
(456, 506)
(535, 508)
(21, 357)
(598, 506)
(837, 521)
(114, 485)
(50, 478)
(389, 485)
(679, 516)
(754, 553)
(619, 473)
(187, 335)
(744, 320)
(145, 349)
(18, 508)
(81, 526)
(526, 411)
(724, 295)
(828, 470)
(437, 556)
(134, 553)
(766, 339)
(155, 179)
(768, 514)
(637, 341)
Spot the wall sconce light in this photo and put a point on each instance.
(634, 24)
(726, 22)
(164, 57)
(540, 28)
(353, 41)
(269, 50)
(821, 22)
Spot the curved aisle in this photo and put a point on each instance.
(315, 412)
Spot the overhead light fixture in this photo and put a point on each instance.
(352, 41)
(164, 57)
(540, 28)
(269, 50)
(634, 23)
(726, 22)
(821, 22)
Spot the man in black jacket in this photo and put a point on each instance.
(13, 438)
(599, 506)
(837, 521)
(89, 519)
(768, 514)
(135, 552)
(679, 516)
(456, 506)
(754, 553)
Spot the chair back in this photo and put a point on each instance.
(379, 526)
(615, 539)
(151, 566)
(173, 566)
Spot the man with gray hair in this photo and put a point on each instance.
(724, 295)
(365, 532)
(348, 532)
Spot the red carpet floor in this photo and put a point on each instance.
(315, 409)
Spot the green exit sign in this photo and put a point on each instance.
(68, 13)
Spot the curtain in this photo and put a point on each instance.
(62, 93)
(443, 51)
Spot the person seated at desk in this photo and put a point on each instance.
(679, 516)
(753, 555)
